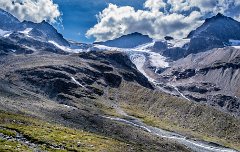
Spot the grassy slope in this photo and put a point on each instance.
(175, 114)
(48, 135)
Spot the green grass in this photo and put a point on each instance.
(48, 135)
(8, 132)
(12, 146)
(171, 126)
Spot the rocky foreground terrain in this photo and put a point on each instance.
(92, 97)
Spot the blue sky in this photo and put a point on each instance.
(80, 15)
(102, 20)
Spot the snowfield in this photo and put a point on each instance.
(235, 43)
(64, 48)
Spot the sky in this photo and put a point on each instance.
(101, 20)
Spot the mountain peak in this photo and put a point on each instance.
(230, 28)
(135, 33)
(128, 41)
(220, 15)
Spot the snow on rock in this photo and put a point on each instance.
(75, 81)
(158, 60)
(237, 47)
(178, 43)
(144, 47)
(4, 33)
(139, 61)
(98, 47)
(64, 48)
(26, 32)
(140, 56)
(234, 42)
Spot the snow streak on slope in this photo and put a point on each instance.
(139, 61)
(75, 81)
(64, 48)
(180, 93)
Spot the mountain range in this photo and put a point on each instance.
(132, 93)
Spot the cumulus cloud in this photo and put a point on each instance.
(158, 18)
(32, 10)
(155, 5)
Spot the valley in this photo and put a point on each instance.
(132, 93)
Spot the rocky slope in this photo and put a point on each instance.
(211, 77)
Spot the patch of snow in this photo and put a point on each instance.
(104, 48)
(59, 46)
(178, 43)
(180, 93)
(158, 60)
(237, 47)
(26, 32)
(144, 47)
(64, 48)
(234, 42)
(128, 122)
(5, 33)
(69, 107)
(75, 81)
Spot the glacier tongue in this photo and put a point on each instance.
(142, 56)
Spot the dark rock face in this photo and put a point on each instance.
(174, 53)
(210, 77)
(219, 27)
(127, 41)
(119, 61)
(214, 33)
(38, 38)
(228, 103)
(112, 80)
(168, 38)
(185, 74)
(8, 47)
(200, 44)
(47, 32)
(65, 82)
(159, 46)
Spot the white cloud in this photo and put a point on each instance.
(159, 18)
(32, 10)
(155, 5)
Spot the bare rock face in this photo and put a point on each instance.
(211, 77)
(89, 80)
